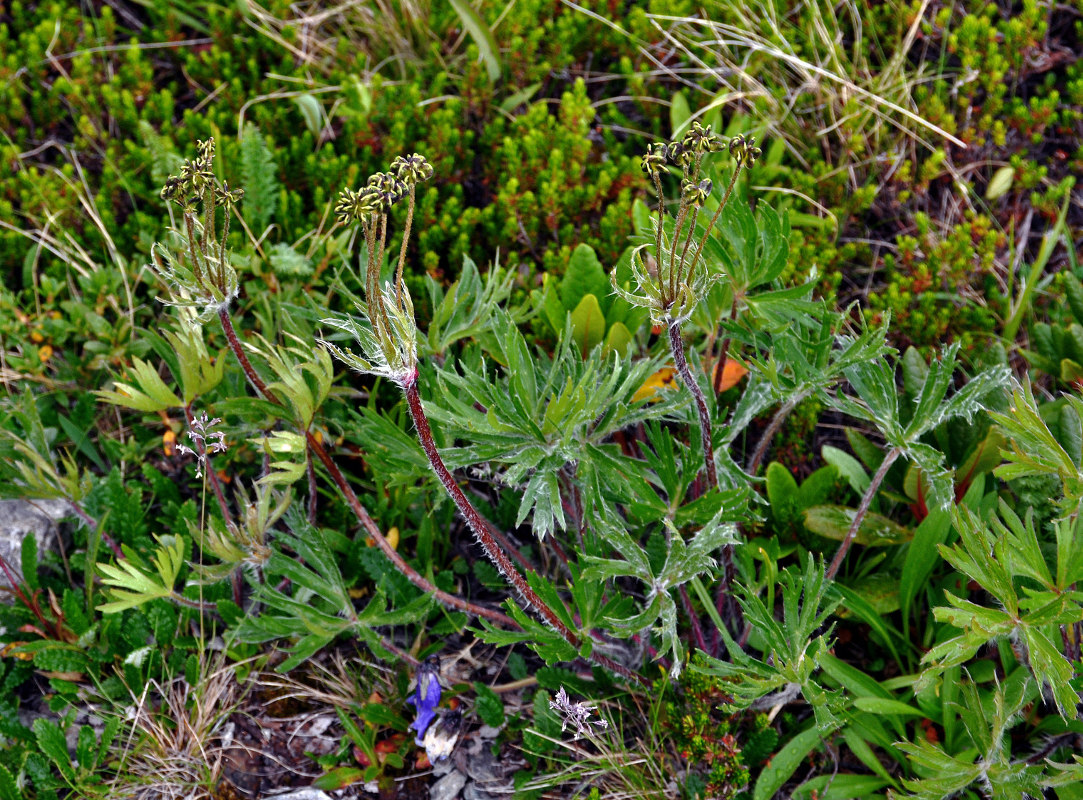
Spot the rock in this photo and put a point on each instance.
(442, 767)
(475, 792)
(21, 518)
(448, 787)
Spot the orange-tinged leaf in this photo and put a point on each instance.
(36, 337)
(732, 372)
(12, 649)
(653, 386)
(392, 537)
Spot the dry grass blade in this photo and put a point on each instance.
(826, 83)
(173, 747)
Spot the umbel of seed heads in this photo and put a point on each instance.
(195, 181)
(388, 347)
(689, 151)
(383, 189)
(205, 281)
(670, 285)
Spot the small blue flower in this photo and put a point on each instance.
(426, 697)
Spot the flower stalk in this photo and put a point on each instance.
(205, 282)
(388, 349)
(677, 284)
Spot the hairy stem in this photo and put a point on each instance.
(197, 605)
(723, 351)
(352, 500)
(714, 218)
(862, 510)
(676, 346)
(91, 523)
(480, 529)
(769, 435)
(405, 244)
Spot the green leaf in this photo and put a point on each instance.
(848, 467)
(339, 778)
(258, 179)
(287, 262)
(312, 112)
(1001, 183)
(482, 36)
(489, 706)
(921, 558)
(513, 101)
(781, 492)
(588, 324)
(785, 763)
(842, 787)
(680, 113)
(584, 275)
(618, 340)
(9, 790)
(382, 716)
(52, 743)
(875, 530)
(29, 561)
(886, 707)
(149, 392)
(86, 748)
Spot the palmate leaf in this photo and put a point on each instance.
(876, 401)
(1034, 450)
(147, 392)
(133, 586)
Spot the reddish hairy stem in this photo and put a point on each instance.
(697, 629)
(480, 528)
(676, 346)
(351, 498)
(862, 510)
(90, 523)
(768, 435)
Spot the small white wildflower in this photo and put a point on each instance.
(207, 440)
(575, 714)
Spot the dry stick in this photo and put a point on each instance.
(676, 346)
(862, 510)
(480, 528)
(351, 498)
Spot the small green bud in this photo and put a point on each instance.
(698, 139)
(654, 159)
(224, 196)
(678, 154)
(695, 193)
(412, 169)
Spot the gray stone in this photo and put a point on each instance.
(474, 791)
(448, 787)
(22, 518)
(442, 767)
